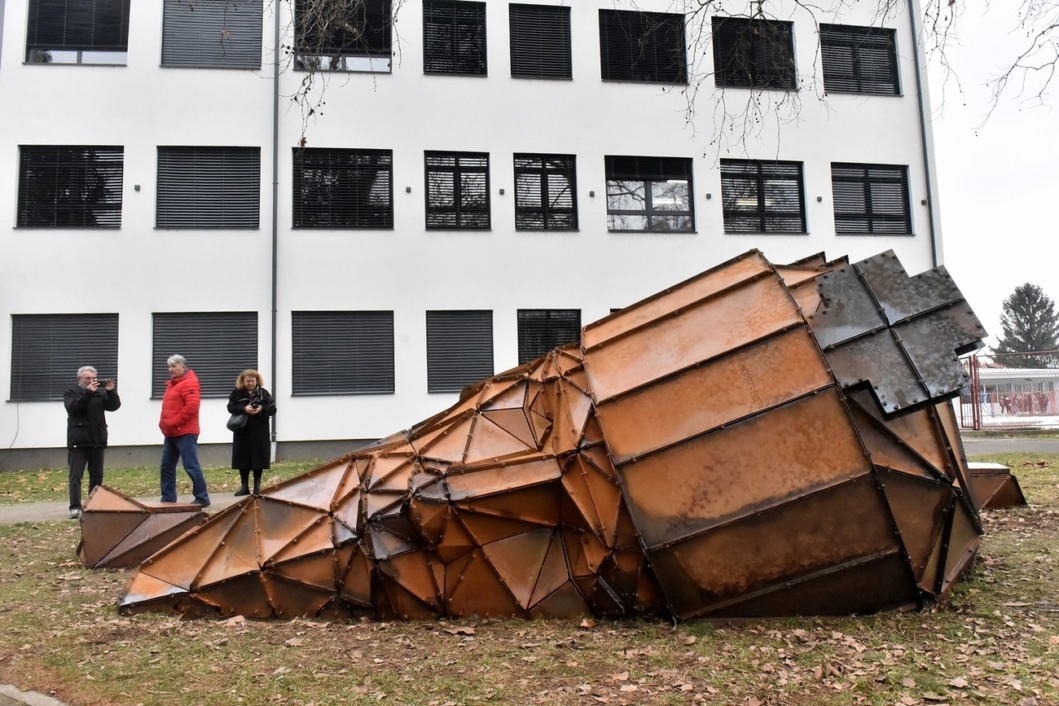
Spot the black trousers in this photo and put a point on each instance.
(81, 456)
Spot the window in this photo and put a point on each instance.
(69, 187)
(459, 349)
(209, 187)
(457, 190)
(78, 32)
(545, 192)
(753, 53)
(649, 194)
(343, 352)
(762, 197)
(454, 37)
(871, 199)
(343, 36)
(220, 35)
(218, 346)
(859, 60)
(540, 41)
(339, 188)
(47, 350)
(642, 46)
(541, 330)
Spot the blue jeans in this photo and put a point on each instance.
(184, 447)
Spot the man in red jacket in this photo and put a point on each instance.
(180, 427)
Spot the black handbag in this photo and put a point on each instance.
(237, 422)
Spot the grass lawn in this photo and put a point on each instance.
(995, 640)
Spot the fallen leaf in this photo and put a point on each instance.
(624, 676)
(958, 682)
(293, 642)
(460, 631)
(587, 624)
(908, 683)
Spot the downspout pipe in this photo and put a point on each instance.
(924, 124)
(275, 212)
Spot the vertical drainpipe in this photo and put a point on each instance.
(913, 8)
(275, 208)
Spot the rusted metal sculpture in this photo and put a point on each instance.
(757, 440)
(994, 487)
(120, 532)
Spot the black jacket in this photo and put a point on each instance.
(251, 444)
(86, 421)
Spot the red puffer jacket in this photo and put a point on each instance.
(180, 405)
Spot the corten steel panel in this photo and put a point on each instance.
(994, 487)
(760, 462)
(767, 549)
(748, 381)
(714, 282)
(119, 532)
(718, 451)
(745, 314)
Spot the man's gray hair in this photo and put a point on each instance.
(178, 359)
(86, 369)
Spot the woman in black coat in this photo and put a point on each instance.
(251, 444)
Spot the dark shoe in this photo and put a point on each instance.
(200, 503)
(241, 492)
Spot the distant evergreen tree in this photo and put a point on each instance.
(1030, 325)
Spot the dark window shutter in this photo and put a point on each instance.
(99, 25)
(212, 34)
(540, 41)
(753, 53)
(70, 187)
(343, 352)
(340, 188)
(47, 350)
(457, 190)
(209, 187)
(218, 346)
(642, 46)
(541, 330)
(859, 59)
(454, 37)
(459, 349)
(545, 192)
(762, 197)
(871, 199)
(647, 168)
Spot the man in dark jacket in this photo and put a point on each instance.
(86, 430)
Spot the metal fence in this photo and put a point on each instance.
(1011, 391)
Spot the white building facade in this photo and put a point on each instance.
(477, 181)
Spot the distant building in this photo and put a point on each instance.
(482, 180)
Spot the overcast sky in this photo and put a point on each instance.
(998, 180)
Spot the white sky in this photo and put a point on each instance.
(999, 179)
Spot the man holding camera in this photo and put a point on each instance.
(86, 430)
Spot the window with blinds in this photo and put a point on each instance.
(871, 199)
(78, 32)
(47, 350)
(220, 34)
(859, 60)
(454, 37)
(649, 194)
(762, 197)
(545, 192)
(642, 46)
(343, 352)
(540, 41)
(218, 346)
(343, 188)
(69, 186)
(753, 53)
(209, 187)
(459, 349)
(343, 36)
(457, 190)
(541, 330)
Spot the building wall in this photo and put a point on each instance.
(408, 269)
